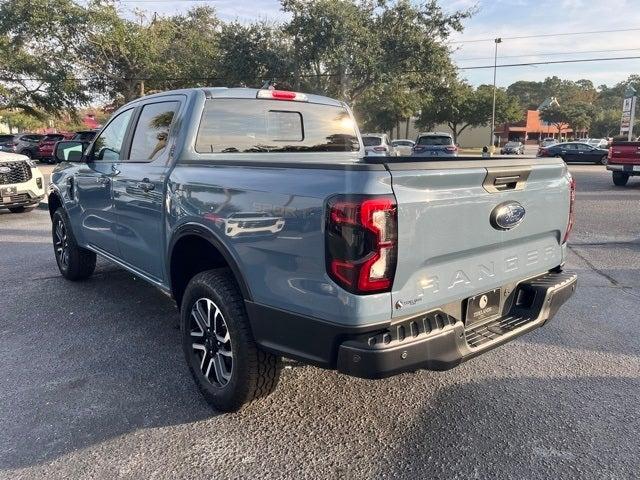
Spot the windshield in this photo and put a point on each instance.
(512, 144)
(232, 125)
(402, 143)
(371, 141)
(435, 140)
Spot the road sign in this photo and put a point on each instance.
(628, 112)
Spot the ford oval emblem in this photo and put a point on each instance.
(5, 170)
(507, 215)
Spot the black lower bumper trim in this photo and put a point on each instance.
(531, 305)
(434, 340)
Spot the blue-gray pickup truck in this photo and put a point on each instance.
(258, 212)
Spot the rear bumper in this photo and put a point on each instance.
(433, 340)
(629, 168)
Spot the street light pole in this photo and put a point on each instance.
(493, 110)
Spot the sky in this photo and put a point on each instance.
(500, 18)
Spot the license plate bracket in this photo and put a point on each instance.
(8, 191)
(484, 306)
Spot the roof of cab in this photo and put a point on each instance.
(234, 92)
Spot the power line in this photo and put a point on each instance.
(552, 62)
(311, 75)
(549, 54)
(541, 35)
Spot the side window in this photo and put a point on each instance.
(108, 145)
(152, 131)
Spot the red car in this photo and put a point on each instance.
(624, 161)
(44, 151)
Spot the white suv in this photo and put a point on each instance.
(21, 183)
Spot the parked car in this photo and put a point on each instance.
(512, 148)
(435, 144)
(624, 161)
(575, 152)
(21, 183)
(597, 142)
(370, 265)
(548, 141)
(22, 143)
(44, 150)
(378, 144)
(403, 146)
(84, 135)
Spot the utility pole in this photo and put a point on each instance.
(493, 110)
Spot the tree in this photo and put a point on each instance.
(36, 76)
(460, 106)
(579, 116)
(556, 116)
(606, 124)
(251, 54)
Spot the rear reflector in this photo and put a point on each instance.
(282, 95)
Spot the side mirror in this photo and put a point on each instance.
(69, 151)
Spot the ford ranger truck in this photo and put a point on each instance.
(258, 212)
(623, 161)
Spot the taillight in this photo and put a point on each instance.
(418, 148)
(362, 242)
(572, 201)
(282, 95)
(379, 149)
(610, 154)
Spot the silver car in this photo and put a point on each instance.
(403, 147)
(22, 143)
(378, 145)
(435, 144)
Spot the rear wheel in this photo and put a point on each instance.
(74, 262)
(620, 179)
(228, 367)
(603, 160)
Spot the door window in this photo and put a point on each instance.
(152, 132)
(108, 145)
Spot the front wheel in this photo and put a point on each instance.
(17, 209)
(620, 179)
(74, 262)
(228, 367)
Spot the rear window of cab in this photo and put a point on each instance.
(231, 125)
(435, 140)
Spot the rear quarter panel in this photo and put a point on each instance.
(271, 220)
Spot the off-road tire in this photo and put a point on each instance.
(79, 263)
(620, 179)
(254, 372)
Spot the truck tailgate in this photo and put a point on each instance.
(448, 249)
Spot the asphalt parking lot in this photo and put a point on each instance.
(93, 381)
